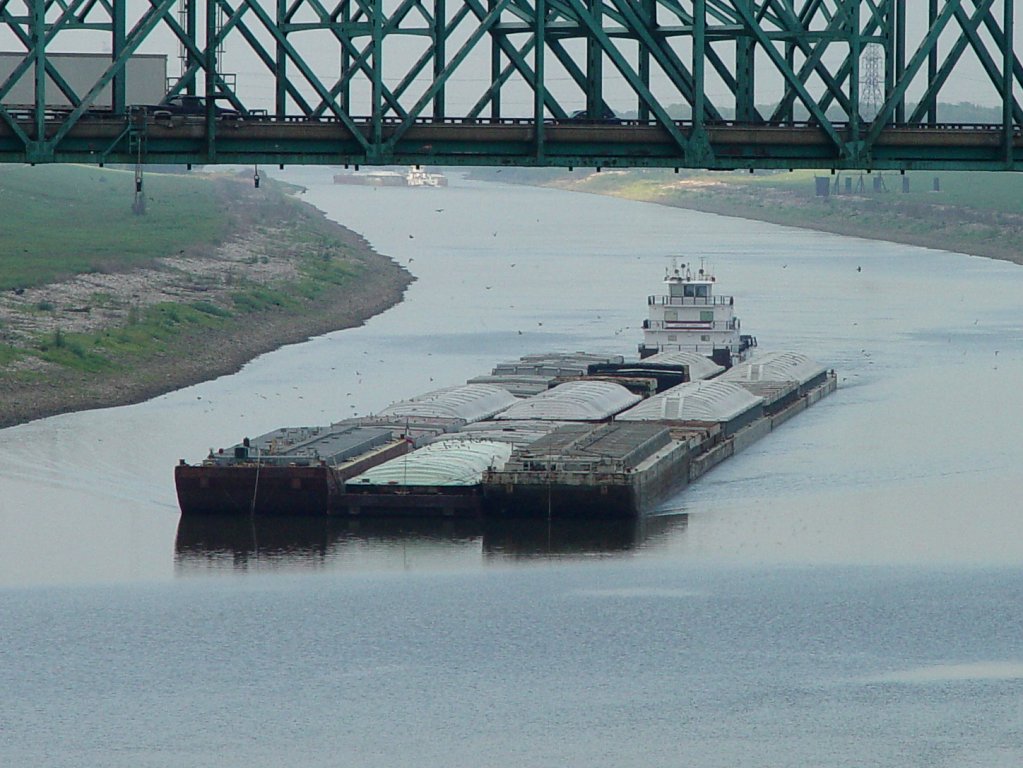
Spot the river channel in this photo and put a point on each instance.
(846, 592)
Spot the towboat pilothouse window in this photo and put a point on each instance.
(689, 291)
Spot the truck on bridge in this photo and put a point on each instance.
(145, 79)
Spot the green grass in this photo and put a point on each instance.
(151, 331)
(65, 220)
(9, 354)
(72, 350)
(985, 191)
(261, 299)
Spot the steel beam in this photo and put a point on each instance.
(724, 64)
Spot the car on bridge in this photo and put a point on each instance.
(583, 117)
(188, 105)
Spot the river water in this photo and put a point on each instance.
(846, 592)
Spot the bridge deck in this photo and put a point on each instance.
(99, 139)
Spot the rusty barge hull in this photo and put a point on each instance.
(245, 490)
(271, 490)
(644, 486)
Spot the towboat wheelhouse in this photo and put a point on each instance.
(689, 317)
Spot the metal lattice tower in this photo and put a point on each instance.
(872, 82)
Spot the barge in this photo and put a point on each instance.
(413, 177)
(648, 453)
(565, 436)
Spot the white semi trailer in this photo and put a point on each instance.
(145, 79)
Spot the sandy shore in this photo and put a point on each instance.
(261, 255)
(934, 227)
(995, 235)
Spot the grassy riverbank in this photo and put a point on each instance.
(975, 213)
(100, 307)
(64, 220)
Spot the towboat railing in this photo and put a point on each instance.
(691, 325)
(706, 349)
(690, 301)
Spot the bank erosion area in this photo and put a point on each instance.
(970, 212)
(101, 307)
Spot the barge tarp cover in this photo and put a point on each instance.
(447, 463)
(574, 401)
(714, 400)
(515, 432)
(468, 402)
(699, 367)
(776, 366)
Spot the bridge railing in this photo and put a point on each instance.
(844, 69)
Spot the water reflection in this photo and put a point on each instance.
(244, 544)
(523, 539)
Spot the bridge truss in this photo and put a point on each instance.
(843, 84)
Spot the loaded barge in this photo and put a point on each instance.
(556, 435)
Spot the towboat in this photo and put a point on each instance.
(689, 317)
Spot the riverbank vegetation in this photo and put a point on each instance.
(970, 212)
(99, 306)
(64, 220)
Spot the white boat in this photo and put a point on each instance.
(690, 317)
(417, 177)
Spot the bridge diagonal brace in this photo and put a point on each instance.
(360, 58)
(307, 73)
(719, 12)
(393, 26)
(486, 23)
(633, 78)
(970, 37)
(952, 58)
(132, 41)
(791, 77)
(998, 35)
(844, 73)
(664, 55)
(565, 59)
(15, 128)
(682, 79)
(47, 38)
(361, 63)
(813, 64)
(428, 54)
(198, 57)
(51, 70)
(513, 65)
(518, 62)
(921, 54)
(629, 18)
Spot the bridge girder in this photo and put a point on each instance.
(707, 83)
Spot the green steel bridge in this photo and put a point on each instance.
(717, 84)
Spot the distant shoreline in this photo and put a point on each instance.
(795, 213)
(202, 354)
(933, 223)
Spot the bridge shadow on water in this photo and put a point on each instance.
(212, 544)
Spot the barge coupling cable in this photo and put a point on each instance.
(252, 509)
(255, 486)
